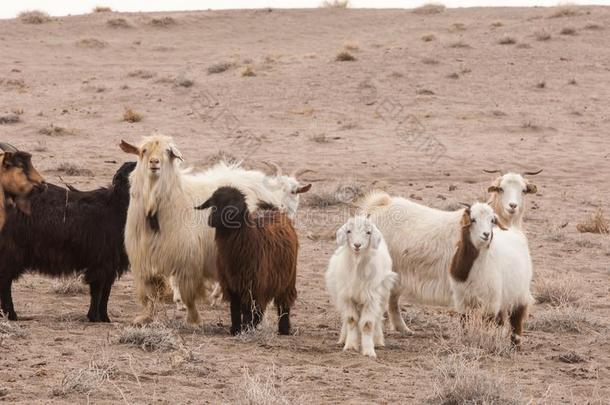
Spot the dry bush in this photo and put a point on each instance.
(568, 31)
(52, 130)
(335, 4)
(262, 389)
(424, 92)
(453, 75)
(13, 84)
(430, 61)
(101, 9)
(142, 74)
(34, 17)
(118, 23)
(564, 318)
(91, 43)
(596, 223)
(428, 37)
(565, 12)
(541, 85)
(558, 291)
(332, 196)
(220, 67)
(507, 41)
(86, 380)
(150, 338)
(351, 46)
(70, 169)
(11, 329)
(459, 44)
(478, 337)
(497, 24)
(571, 357)
(248, 71)
(593, 27)
(457, 27)
(129, 115)
(69, 286)
(462, 381)
(542, 35)
(9, 119)
(345, 56)
(320, 138)
(162, 22)
(431, 8)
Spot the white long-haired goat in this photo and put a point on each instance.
(359, 279)
(507, 196)
(491, 269)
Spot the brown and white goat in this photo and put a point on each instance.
(257, 258)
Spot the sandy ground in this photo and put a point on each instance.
(411, 116)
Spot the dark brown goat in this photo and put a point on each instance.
(257, 259)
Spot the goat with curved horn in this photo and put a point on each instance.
(299, 172)
(277, 169)
(7, 147)
(533, 173)
(492, 171)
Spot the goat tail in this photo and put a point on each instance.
(374, 200)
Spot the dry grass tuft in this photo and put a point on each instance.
(430, 61)
(564, 318)
(101, 9)
(10, 329)
(478, 337)
(542, 35)
(462, 381)
(558, 291)
(86, 380)
(541, 85)
(53, 130)
(162, 22)
(596, 223)
(428, 37)
(118, 23)
(338, 195)
(459, 44)
(424, 92)
(34, 17)
(221, 156)
(568, 31)
(593, 27)
(220, 67)
(320, 138)
(453, 75)
(262, 389)
(345, 56)
(351, 46)
(507, 41)
(335, 4)
(497, 24)
(10, 119)
(141, 74)
(571, 357)
(131, 116)
(69, 286)
(248, 71)
(91, 43)
(150, 338)
(428, 9)
(565, 12)
(70, 169)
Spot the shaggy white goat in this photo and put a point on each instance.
(164, 235)
(491, 269)
(508, 196)
(359, 279)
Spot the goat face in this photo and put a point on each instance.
(511, 189)
(228, 208)
(359, 233)
(19, 178)
(291, 189)
(154, 153)
(481, 219)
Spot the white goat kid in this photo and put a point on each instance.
(508, 193)
(359, 279)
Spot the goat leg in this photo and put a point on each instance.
(96, 297)
(283, 313)
(235, 313)
(103, 307)
(7, 300)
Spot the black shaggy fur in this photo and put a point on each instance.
(69, 232)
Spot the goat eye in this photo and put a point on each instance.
(473, 220)
(368, 233)
(349, 231)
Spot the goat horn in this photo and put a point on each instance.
(275, 166)
(300, 172)
(533, 173)
(7, 147)
(492, 171)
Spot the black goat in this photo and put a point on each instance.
(69, 232)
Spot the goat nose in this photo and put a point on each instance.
(486, 234)
(154, 161)
(357, 245)
(513, 205)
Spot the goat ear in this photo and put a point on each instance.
(342, 235)
(129, 148)
(23, 204)
(204, 206)
(531, 188)
(174, 153)
(499, 223)
(303, 189)
(376, 237)
(493, 189)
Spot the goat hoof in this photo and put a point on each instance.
(370, 353)
(142, 320)
(12, 316)
(516, 340)
(235, 331)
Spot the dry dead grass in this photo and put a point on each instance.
(459, 44)
(9, 329)
(141, 74)
(453, 75)
(91, 43)
(335, 4)
(563, 319)
(162, 22)
(462, 381)
(150, 338)
(507, 40)
(118, 23)
(101, 9)
(497, 24)
(429, 9)
(345, 56)
(129, 115)
(424, 92)
(261, 389)
(53, 130)
(593, 27)
(73, 285)
(34, 17)
(248, 71)
(430, 61)
(542, 35)
(596, 223)
(476, 337)
(220, 67)
(333, 196)
(558, 291)
(10, 119)
(86, 380)
(70, 169)
(565, 12)
(351, 47)
(428, 37)
(541, 85)
(568, 31)
(221, 156)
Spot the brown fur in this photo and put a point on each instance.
(517, 320)
(465, 254)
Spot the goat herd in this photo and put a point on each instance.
(229, 232)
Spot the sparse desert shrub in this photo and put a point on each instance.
(69, 286)
(34, 17)
(459, 44)
(183, 81)
(462, 381)
(429, 61)
(335, 4)
(497, 24)
(523, 46)
(70, 169)
(564, 318)
(248, 71)
(162, 22)
(345, 56)
(542, 35)
(262, 389)
(568, 31)
(428, 9)
(11, 329)
(13, 84)
(91, 43)
(86, 380)
(453, 75)
(530, 126)
(479, 337)
(596, 223)
(142, 74)
(506, 40)
(424, 92)
(118, 23)
(341, 194)
(101, 9)
(9, 119)
(150, 338)
(351, 46)
(558, 291)
(565, 12)
(593, 27)
(571, 357)
(219, 67)
(319, 138)
(129, 115)
(53, 130)
(428, 37)
(541, 85)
